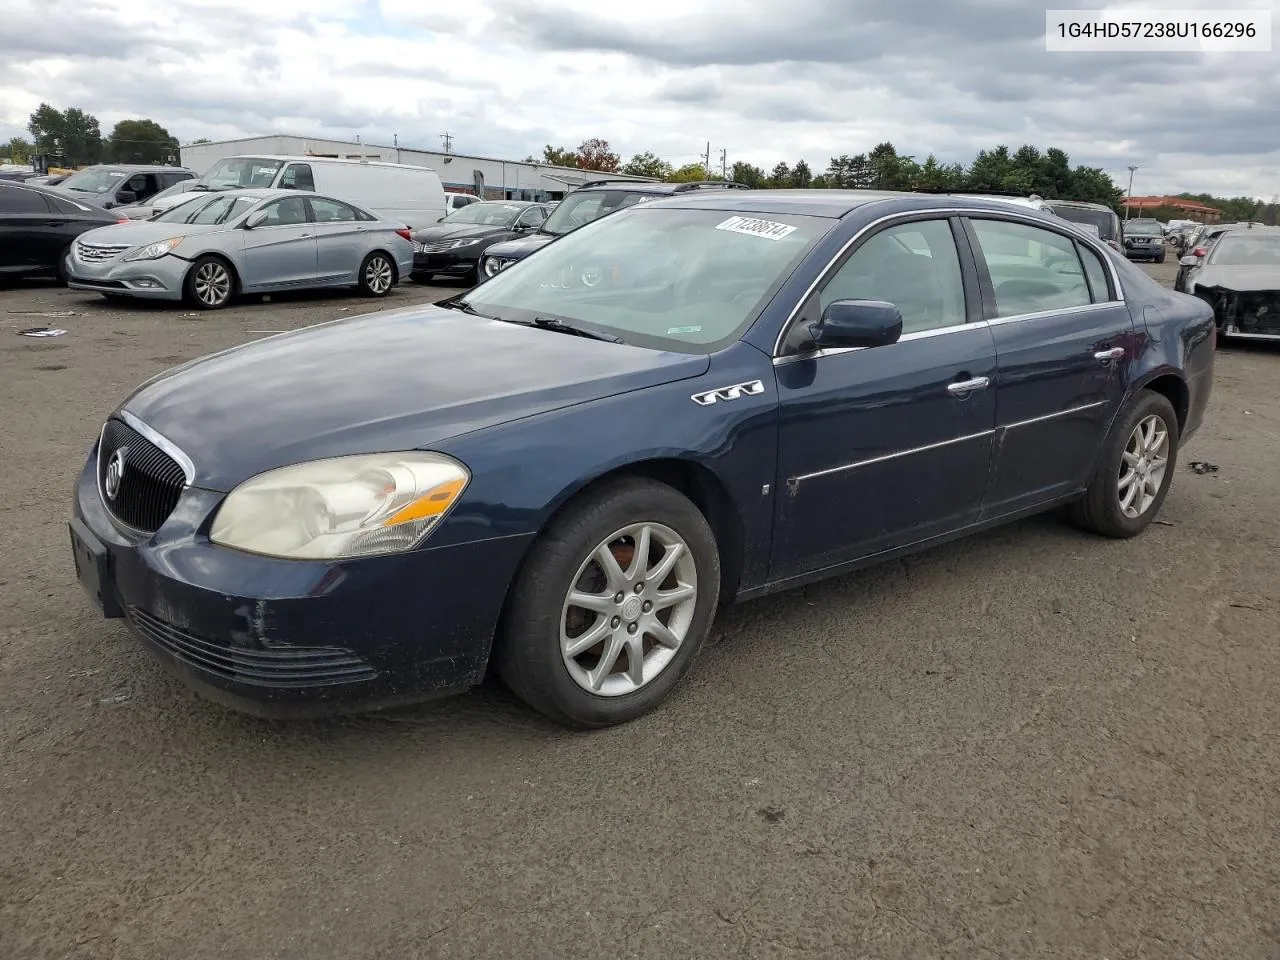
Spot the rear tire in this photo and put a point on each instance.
(60, 268)
(377, 275)
(210, 283)
(591, 552)
(1134, 470)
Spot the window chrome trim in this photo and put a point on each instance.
(1040, 314)
(188, 468)
(915, 335)
(1053, 416)
(897, 454)
(939, 213)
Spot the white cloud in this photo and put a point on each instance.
(767, 80)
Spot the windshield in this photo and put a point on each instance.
(93, 180)
(1234, 250)
(486, 214)
(178, 188)
(673, 279)
(581, 208)
(1102, 221)
(208, 210)
(1143, 228)
(241, 172)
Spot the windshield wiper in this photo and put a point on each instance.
(453, 303)
(559, 326)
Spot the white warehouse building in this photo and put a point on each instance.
(494, 179)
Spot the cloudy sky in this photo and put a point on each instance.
(766, 80)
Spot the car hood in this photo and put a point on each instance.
(396, 380)
(1244, 279)
(139, 232)
(519, 247)
(456, 231)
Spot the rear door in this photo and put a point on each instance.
(29, 230)
(282, 251)
(1064, 341)
(341, 239)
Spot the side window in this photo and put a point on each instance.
(297, 176)
(330, 211)
(17, 200)
(914, 266)
(531, 217)
(65, 207)
(1031, 269)
(286, 212)
(1096, 271)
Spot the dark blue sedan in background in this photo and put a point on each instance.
(564, 471)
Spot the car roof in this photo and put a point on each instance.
(507, 203)
(135, 167)
(658, 186)
(50, 192)
(835, 204)
(1084, 204)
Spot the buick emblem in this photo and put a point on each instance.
(115, 473)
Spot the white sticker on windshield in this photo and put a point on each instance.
(671, 330)
(753, 227)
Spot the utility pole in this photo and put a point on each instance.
(1129, 195)
(448, 141)
(724, 164)
(706, 161)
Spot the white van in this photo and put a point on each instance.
(413, 196)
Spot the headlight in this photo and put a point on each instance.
(493, 265)
(455, 244)
(154, 251)
(344, 507)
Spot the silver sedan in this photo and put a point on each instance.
(210, 250)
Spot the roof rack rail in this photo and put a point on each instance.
(710, 184)
(603, 180)
(975, 193)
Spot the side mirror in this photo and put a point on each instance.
(857, 323)
(255, 219)
(126, 197)
(1188, 262)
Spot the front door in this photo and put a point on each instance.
(1064, 341)
(281, 251)
(888, 446)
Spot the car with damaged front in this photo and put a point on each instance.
(564, 472)
(1239, 277)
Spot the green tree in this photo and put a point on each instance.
(647, 164)
(690, 173)
(779, 176)
(594, 154)
(940, 176)
(70, 134)
(17, 150)
(207, 140)
(1092, 185)
(141, 141)
(748, 174)
(801, 176)
(559, 156)
(849, 173)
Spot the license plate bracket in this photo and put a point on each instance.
(93, 568)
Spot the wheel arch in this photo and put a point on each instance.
(222, 258)
(1173, 387)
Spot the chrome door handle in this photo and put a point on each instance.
(964, 387)
(1115, 353)
(303, 236)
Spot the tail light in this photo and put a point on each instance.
(122, 219)
(404, 233)
(1113, 244)
(1199, 252)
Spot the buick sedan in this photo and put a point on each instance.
(564, 472)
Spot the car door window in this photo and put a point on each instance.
(297, 176)
(914, 266)
(531, 217)
(1031, 269)
(331, 211)
(17, 200)
(287, 212)
(1099, 284)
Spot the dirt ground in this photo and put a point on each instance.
(1033, 743)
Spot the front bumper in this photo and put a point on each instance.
(1154, 251)
(294, 638)
(160, 279)
(449, 262)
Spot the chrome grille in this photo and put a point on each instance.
(436, 246)
(150, 482)
(97, 252)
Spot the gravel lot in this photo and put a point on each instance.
(1032, 743)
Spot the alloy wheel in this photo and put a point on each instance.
(1142, 466)
(628, 610)
(377, 275)
(212, 284)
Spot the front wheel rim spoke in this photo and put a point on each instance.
(635, 659)
(577, 646)
(595, 602)
(640, 561)
(609, 564)
(663, 634)
(608, 660)
(663, 569)
(669, 598)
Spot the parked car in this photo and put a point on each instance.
(563, 473)
(180, 192)
(122, 184)
(1203, 241)
(1034, 202)
(243, 241)
(1101, 217)
(453, 246)
(456, 201)
(591, 201)
(38, 226)
(394, 191)
(1143, 240)
(1240, 278)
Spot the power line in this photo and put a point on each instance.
(448, 141)
(724, 163)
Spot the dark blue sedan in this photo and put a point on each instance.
(563, 472)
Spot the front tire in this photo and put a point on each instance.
(210, 283)
(611, 606)
(1134, 472)
(377, 275)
